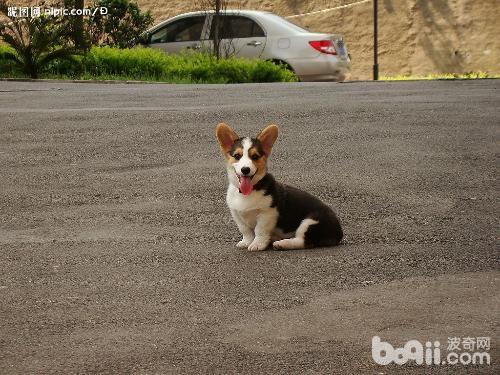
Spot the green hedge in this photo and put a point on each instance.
(149, 64)
(7, 68)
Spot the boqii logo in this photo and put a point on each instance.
(384, 353)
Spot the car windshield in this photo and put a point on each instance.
(289, 23)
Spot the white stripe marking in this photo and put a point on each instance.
(330, 9)
(298, 241)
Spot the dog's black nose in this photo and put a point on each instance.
(245, 170)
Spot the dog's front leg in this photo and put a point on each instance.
(266, 222)
(245, 230)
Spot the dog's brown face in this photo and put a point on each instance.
(246, 157)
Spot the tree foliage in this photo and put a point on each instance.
(121, 26)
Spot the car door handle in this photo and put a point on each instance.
(254, 43)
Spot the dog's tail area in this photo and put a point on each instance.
(327, 232)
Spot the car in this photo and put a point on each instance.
(256, 34)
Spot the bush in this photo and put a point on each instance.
(154, 65)
(7, 66)
(34, 42)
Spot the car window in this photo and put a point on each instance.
(235, 27)
(183, 30)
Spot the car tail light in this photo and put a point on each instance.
(324, 46)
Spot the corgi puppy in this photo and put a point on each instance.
(265, 210)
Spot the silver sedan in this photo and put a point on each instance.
(255, 34)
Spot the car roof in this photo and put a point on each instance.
(228, 11)
(272, 22)
(232, 12)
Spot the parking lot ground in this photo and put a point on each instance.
(117, 250)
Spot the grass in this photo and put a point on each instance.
(146, 64)
(449, 76)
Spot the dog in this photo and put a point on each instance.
(265, 210)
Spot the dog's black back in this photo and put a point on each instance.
(295, 205)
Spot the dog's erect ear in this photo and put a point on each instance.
(267, 137)
(226, 137)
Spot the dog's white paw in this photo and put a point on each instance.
(278, 245)
(289, 244)
(245, 242)
(259, 244)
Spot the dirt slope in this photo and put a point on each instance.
(416, 36)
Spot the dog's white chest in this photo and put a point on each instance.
(254, 201)
(248, 207)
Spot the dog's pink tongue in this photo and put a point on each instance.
(246, 186)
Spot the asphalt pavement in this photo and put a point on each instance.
(117, 251)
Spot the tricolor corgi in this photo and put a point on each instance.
(264, 210)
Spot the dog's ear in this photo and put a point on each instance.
(267, 137)
(226, 137)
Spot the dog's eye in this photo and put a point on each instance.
(237, 156)
(255, 157)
